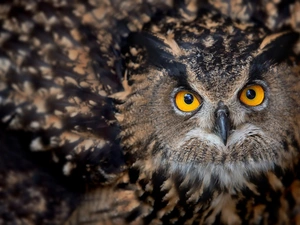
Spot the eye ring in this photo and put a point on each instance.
(187, 101)
(252, 95)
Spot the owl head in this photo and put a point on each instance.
(212, 100)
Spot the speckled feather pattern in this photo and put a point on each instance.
(69, 78)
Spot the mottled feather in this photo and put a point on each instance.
(87, 126)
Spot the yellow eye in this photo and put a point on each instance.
(187, 101)
(252, 95)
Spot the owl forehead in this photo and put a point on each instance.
(218, 74)
(217, 53)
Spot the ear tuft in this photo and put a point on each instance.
(277, 47)
(274, 49)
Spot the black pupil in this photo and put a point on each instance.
(188, 98)
(250, 94)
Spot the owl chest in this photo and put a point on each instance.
(269, 199)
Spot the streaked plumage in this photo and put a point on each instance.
(90, 132)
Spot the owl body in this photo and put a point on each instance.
(149, 113)
(195, 176)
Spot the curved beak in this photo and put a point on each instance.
(222, 122)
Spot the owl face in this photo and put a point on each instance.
(209, 100)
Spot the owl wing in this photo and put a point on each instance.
(60, 62)
(57, 75)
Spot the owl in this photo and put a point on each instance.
(149, 112)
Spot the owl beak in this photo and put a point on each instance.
(222, 123)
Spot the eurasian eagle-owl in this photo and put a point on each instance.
(149, 112)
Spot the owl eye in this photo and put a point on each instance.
(186, 101)
(252, 95)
